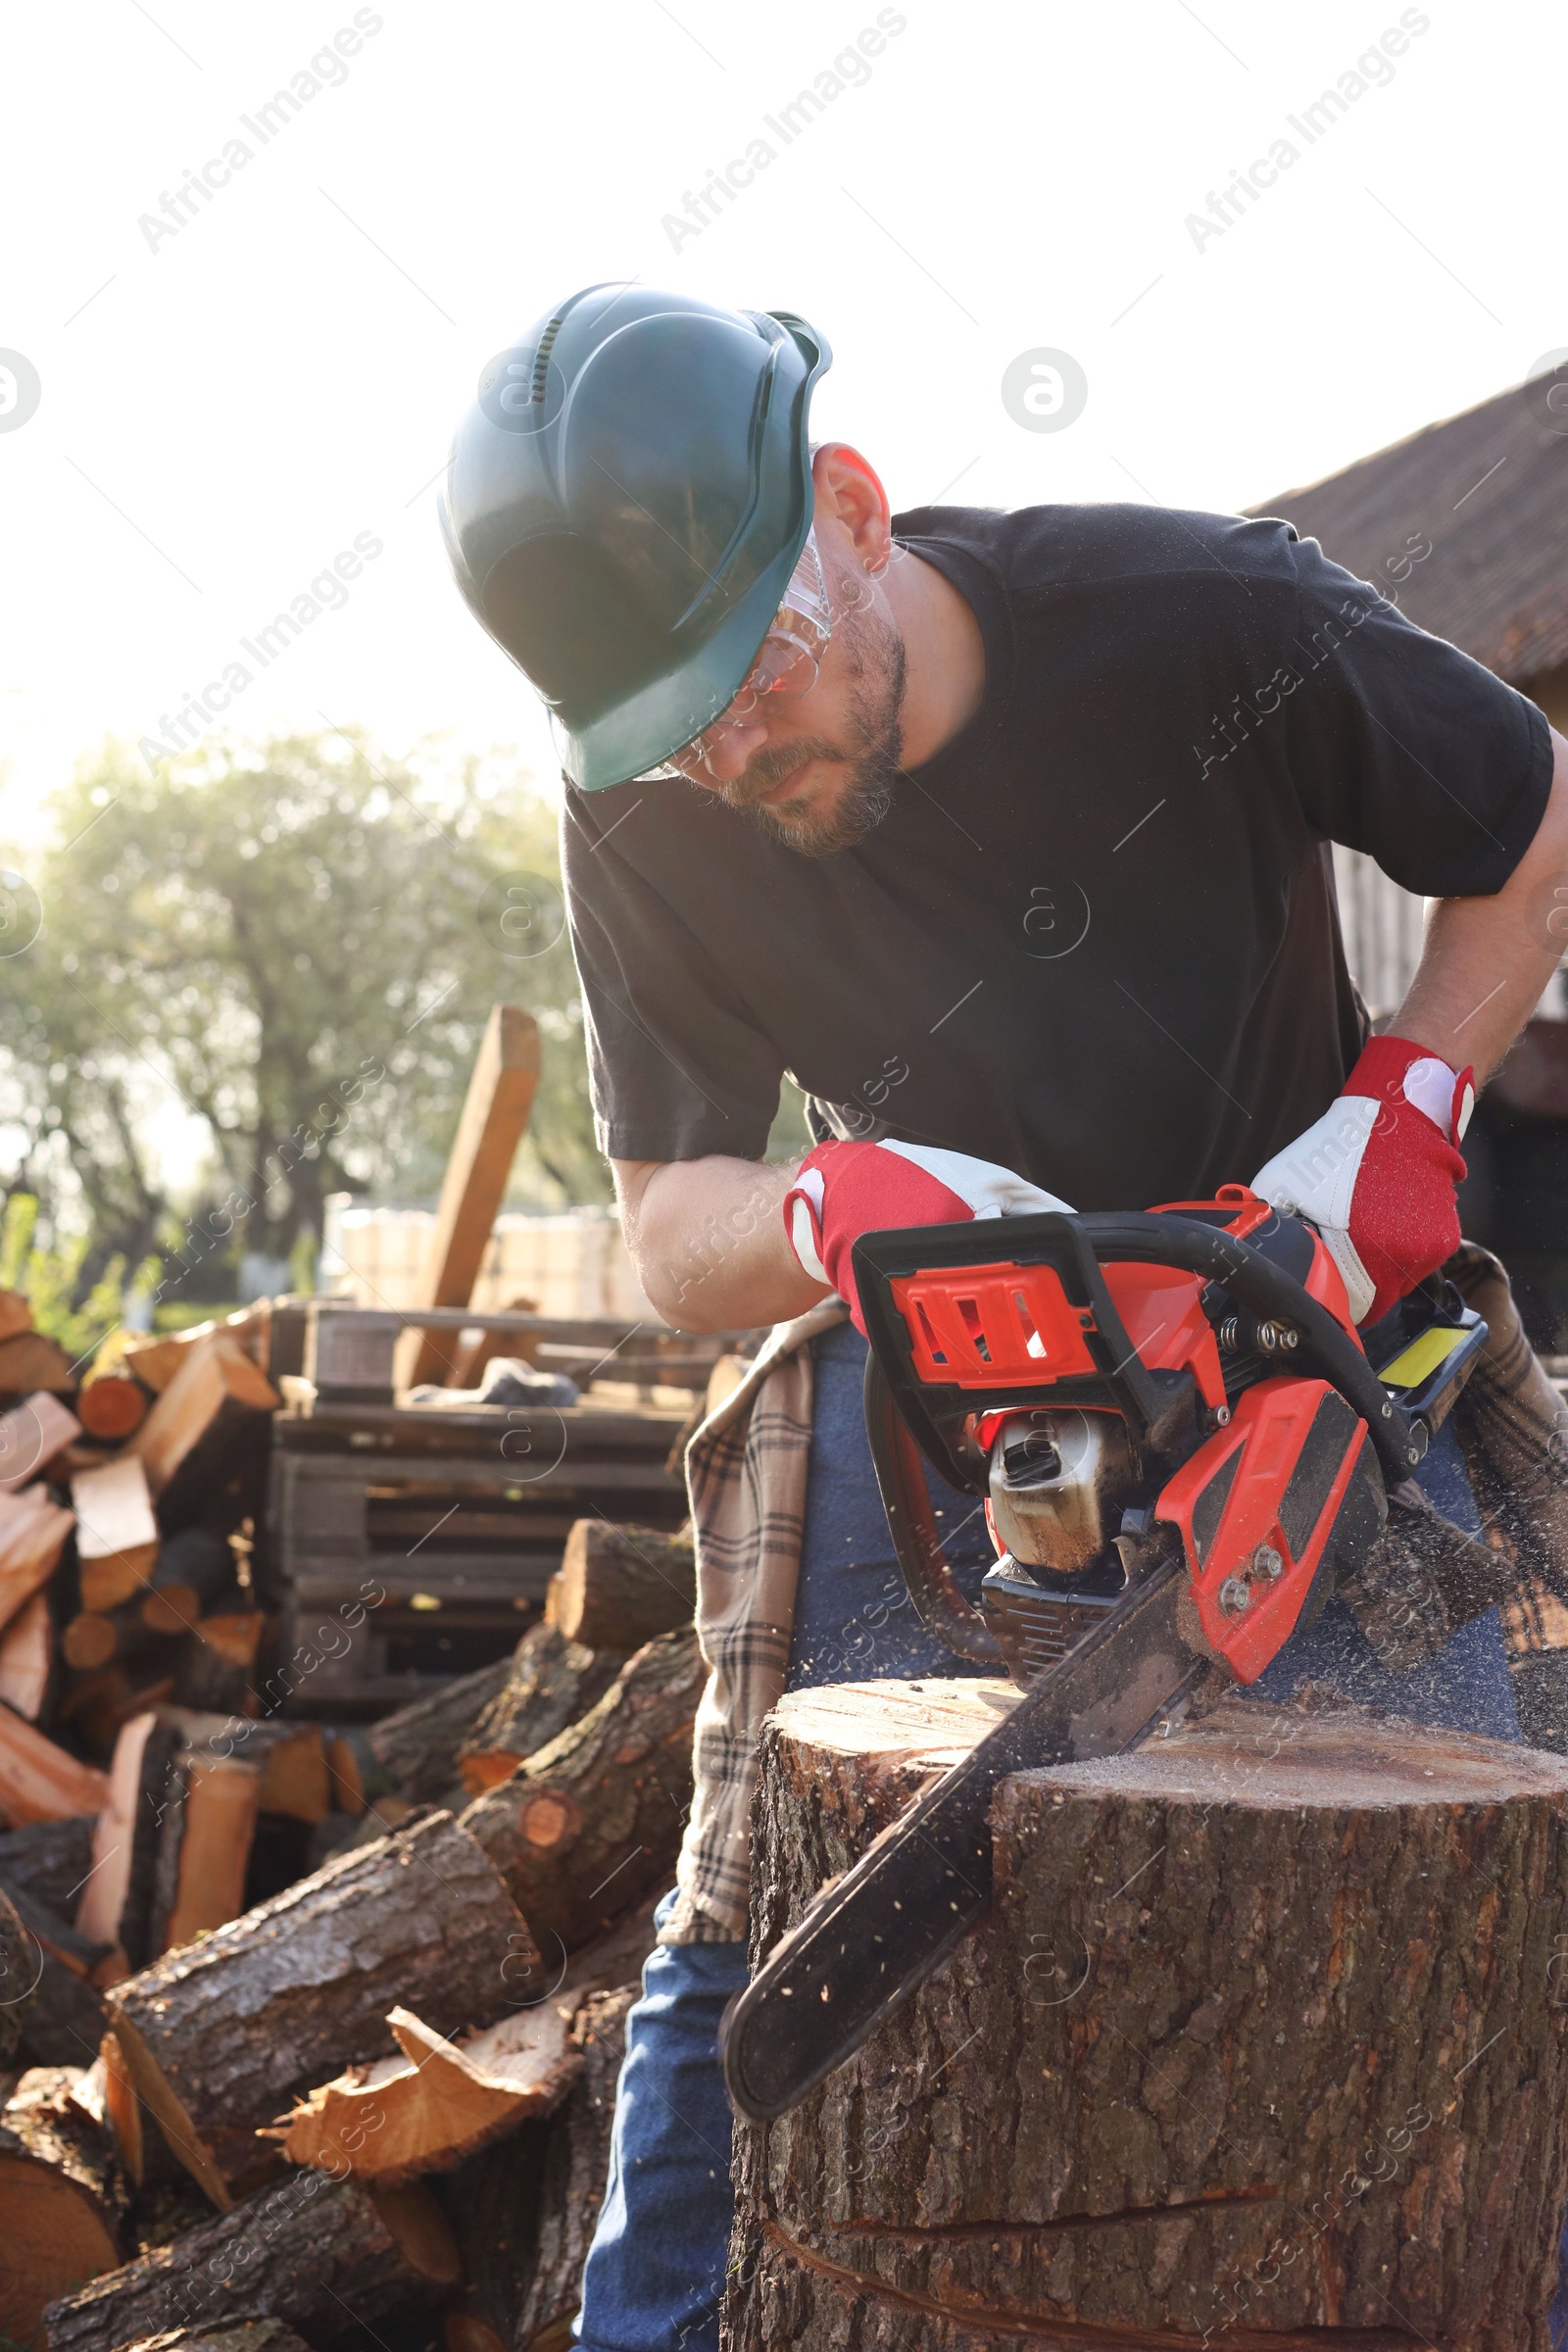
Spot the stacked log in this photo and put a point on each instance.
(1260, 2044)
(595, 1819)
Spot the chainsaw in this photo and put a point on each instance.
(1183, 1451)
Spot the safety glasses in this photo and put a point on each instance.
(785, 669)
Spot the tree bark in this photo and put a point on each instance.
(591, 1822)
(551, 1683)
(619, 1587)
(417, 1747)
(1262, 2034)
(576, 2165)
(64, 2198)
(48, 1859)
(221, 2036)
(326, 2257)
(18, 1971)
(247, 2335)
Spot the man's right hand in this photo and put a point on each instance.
(845, 1190)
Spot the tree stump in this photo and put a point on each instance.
(1262, 2044)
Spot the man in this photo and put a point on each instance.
(1005, 838)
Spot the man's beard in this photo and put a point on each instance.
(871, 753)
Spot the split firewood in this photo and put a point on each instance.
(290, 1757)
(96, 1706)
(327, 2258)
(576, 2167)
(585, 1827)
(40, 1782)
(28, 1361)
(112, 1407)
(117, 1535)
(619, 1587)
(48, 1859)
(64, 2196)
(32, 1532)
(26, 1658)
(68, 1945)
(438, 2103)
(155, 1362)
(550, 1683)
(32, 1434)
(415, 1748)
(116, 1901)
(65, 2019)
(204, 1847)
(15, 1314)
(123, 2109)
(219, 2036)
(204, 1425)
(193, 1573)
(245, 2336)
(221, 1665)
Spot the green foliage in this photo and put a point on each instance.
(296, 948)
(50, 1278)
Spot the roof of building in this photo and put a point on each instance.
(1490, 490)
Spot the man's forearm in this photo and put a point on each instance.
(708, 1239)
(1486, 961)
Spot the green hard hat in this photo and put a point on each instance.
(623, 505)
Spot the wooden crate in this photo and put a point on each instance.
(418, 1544)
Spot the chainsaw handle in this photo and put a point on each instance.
(900, 1470)
(1255, 1282)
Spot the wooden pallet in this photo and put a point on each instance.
(443, 1528)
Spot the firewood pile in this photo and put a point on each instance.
(309, 2027)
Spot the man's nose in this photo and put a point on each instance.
(729, 749)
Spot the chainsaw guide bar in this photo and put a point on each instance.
(925, 1880)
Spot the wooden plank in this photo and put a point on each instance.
(117, 1535)
(32, 1434)
(495, 1113)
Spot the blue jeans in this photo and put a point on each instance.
(654, 2274)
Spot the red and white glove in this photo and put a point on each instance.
(845, 1190)
(1375, 1173)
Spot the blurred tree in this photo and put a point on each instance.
(299, 946)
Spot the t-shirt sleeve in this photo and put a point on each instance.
(1403, 747)
(675, 1067)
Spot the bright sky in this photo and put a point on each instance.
(225, 408)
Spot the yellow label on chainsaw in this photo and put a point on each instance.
(1421, 1358)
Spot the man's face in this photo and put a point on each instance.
(818, 774)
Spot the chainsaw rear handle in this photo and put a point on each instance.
(1255, 1282)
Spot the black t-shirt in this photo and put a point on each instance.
(1094, 939)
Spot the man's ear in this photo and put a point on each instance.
(850, 493)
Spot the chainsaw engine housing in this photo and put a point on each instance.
(1122, 1388)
